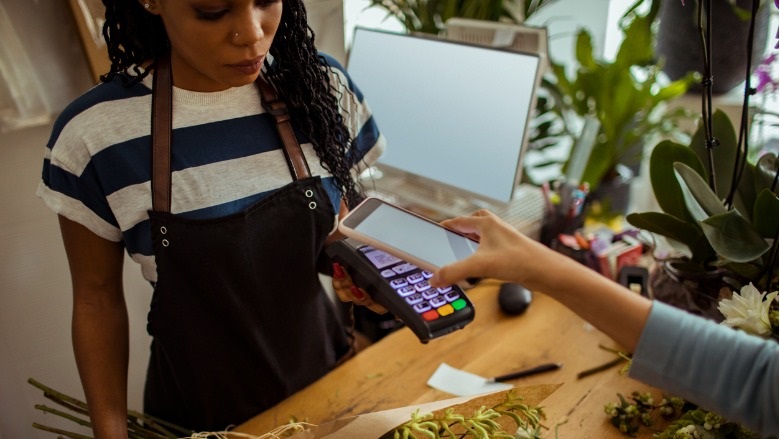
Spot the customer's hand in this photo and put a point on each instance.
(503, 253)
(347, 291)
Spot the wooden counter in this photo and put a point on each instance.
(392, 372)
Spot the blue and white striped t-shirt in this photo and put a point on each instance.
(225, 157)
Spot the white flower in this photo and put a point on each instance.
(747, 310)
(527, 432)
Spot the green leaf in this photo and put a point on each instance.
(584, 49)
(723, 154)
(699, 198)
(662, 178)
(637, 45)
(766, 172)
(733, 237)
(745, 198)
(666, 225)
(746, 270)
(765, 214)
(676, 88)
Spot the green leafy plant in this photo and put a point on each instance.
(627, 96)
(429, 16)
(740, 235)
(479, 425)
(685, 420)
(719, 206)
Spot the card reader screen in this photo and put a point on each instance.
(380, 259)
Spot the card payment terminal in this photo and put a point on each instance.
(403, 289)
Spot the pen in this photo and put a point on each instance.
(526, 372)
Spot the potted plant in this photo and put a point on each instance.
(627, 97)
(718, 205)
(729, 232)
(429, 16)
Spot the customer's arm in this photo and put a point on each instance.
(506, 254)
(727, 371)
(723, 370)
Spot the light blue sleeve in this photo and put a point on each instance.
(723, 370)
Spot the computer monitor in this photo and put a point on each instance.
(454, 114)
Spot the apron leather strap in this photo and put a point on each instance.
(275, 106)
(162, 122)
(162, 125)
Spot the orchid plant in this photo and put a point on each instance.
(722, 208)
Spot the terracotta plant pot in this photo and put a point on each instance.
(698, 292)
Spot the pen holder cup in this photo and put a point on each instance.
(584, 257)
(556, 224)
(564, 216)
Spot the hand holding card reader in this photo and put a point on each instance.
(403, 289)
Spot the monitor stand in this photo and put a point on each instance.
(438, 202)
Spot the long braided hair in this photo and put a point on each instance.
(297, 71)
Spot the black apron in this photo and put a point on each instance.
(239, 318)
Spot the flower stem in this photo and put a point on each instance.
(706, 88)
(742, 143)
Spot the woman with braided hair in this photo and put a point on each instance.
(219, 151)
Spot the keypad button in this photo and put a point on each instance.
(445, 289)
(451, 296)
(459, 304)
(422, 307)
(446, 310)
(422, 286)
(398, 283)
(430, 315)
(388, 273)
(437, 302)
(404, 268)
(430, 294)
(414, 299)
(406, 291)
(427, 274)
(414, 278)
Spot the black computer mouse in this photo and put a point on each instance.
(513, 298)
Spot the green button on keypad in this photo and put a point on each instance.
(459, 304)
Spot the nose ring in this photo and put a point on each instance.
(236, 35)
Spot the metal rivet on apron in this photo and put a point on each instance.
(309, 193)
(165, 243)
(163, 230)
(312, 205)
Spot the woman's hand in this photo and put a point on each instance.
(503, 253)
(347, 291)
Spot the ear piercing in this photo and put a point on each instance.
(146, 5)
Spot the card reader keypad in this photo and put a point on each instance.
(411, 283)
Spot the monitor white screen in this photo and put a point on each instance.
(452, 112)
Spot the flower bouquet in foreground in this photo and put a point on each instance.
(508, 414)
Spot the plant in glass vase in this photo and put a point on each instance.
(719, 206)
